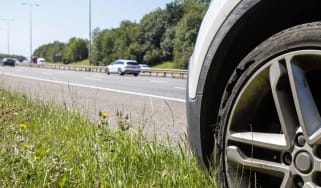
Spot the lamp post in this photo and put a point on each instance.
(30, 17)
(8, 28)
(89, 47)
(1, 35)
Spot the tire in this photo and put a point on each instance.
(120, 73)
(107, 71)
(269, 118)
(136, 74)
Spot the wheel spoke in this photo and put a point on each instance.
(284, 106)
(306, 108)
(288, 181)
(266, 167)
(318, 164)
(263, 140)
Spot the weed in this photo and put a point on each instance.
(122, 121)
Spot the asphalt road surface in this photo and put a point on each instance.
(157, 104)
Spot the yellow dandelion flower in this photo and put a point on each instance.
(36, 158)
(26, 146)
(22, 126)
(104, 115)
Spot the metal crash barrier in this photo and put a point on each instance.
(169, 73)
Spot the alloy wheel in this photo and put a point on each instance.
(273, 133)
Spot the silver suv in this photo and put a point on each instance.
(123, 67)
(254, 96)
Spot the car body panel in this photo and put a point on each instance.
(217, 13)
(221, 17)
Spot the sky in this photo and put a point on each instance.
(60, 20)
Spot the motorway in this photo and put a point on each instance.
(157, 104)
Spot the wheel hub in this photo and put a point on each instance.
(304, 162)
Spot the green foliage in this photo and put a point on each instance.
(162, 35)
(49, 51)
(150, 33)
(43, 145)
(75, 50)
(109, 45)
(167, 43)
(186, 33)
(96, 53)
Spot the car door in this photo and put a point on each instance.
(112, 66)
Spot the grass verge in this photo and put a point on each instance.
(83, 62)
(43, 145)
(166, 65)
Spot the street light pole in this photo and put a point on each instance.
(1, 29)
(30, 20)
(89, 48)
(8, 27)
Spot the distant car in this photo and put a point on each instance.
(21, 59)
(144, 67)
(123, 67)
(41, 61)
(8, 61)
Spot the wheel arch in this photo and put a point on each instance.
(268, 18)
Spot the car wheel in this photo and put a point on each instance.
(136, 74)
(120, 72)
(270, 122)
(107, 71)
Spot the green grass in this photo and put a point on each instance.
(166, 65)
(83, 62)
(43, 145)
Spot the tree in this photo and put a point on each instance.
(162, 35)
(167, 43)
(96, 50)
(49, 51)
(75, 50)
(186, 32)
(123, 37)
(173, 13)
(149, 36)
(109, 45)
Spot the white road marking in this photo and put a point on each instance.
(95, 79)
(159, 81)
(181, 88)
(100, 76)
(47, 73)
(101, 88)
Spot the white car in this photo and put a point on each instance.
(144, 67)
(41, 61)
(254, 97)
(123, 67)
